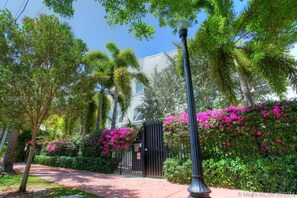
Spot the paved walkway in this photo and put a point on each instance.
(117, 186)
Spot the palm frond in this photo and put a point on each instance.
(276, 70)
(140, 77)
(127, 58)
(106, 107)
(90, 119)
(245, 64)
(221, 65)
(113, 49)
(97, 61)
(124, 102)
(101, 78)
(96, 55)
(122, 81)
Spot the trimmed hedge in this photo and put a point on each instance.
(271, 174)
(101, 165)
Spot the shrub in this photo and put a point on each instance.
(271, 174)
(91, 146)
(178, 171)
(116, 139)
(101, 165)
(102, 144)
(65, 147)
(268, 129)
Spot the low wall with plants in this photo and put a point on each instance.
(94, 164)
(248, 147)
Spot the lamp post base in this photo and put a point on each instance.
(198, 189)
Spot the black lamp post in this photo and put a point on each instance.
(198, 188)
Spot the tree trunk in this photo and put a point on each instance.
(10, 151)
(115, 105)
(99, 115)
(244, 86)
(23, 185)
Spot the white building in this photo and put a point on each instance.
(147, 65)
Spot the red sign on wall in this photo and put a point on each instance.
(138, 154)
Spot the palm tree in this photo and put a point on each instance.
(122, 63)
(114, 76)
(234, 46)
(99, 64)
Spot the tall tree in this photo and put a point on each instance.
(121, 76)
(45, 64)
(118, 72)
(240, 46)
(11, 117)
(99, 64)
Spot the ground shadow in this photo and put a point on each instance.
(51, 193)
(108, 191)
(57, 174)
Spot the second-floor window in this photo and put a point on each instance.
(137, 115)
(138, 88)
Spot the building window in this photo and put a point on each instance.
(138, 88)
(120, 116)
(137, 115)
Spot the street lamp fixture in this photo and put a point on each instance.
(198, 188)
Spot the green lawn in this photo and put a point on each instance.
(36, 187)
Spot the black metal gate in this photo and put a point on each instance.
(154, 151)
(131, 159)
(147, 154)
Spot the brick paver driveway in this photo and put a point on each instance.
(116, 186)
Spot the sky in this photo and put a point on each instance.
(89, 25)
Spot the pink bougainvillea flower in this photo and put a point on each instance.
(228, 144)
(264, 114)
(259, 133)
(278, 140)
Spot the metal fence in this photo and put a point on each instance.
(128, 163)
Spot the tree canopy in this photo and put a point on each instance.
(254, 42)
(263, 18)
(39, 64)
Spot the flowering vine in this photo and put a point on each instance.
(264, 129)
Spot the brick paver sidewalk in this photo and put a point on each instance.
(116, 186)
